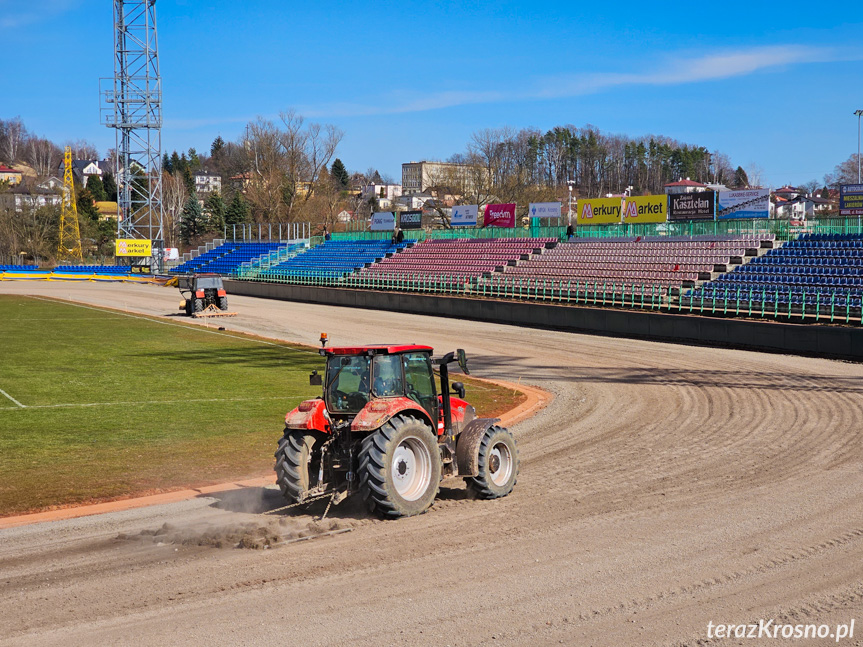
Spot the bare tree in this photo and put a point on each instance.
(83, 150)
(13, 136)
(43, 155)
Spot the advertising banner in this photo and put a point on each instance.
(411, 219)
(692, 206)
(544, 210)
(645, 208)
(499, 215)
(598, 211)
(133, 247)
(383, 221)
(464, 215)
(752, 203)
(851, 200)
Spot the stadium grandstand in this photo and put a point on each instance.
(458, 258)
(335, 258)
(815, 269)
(230, 255)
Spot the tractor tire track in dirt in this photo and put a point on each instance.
(666, 486)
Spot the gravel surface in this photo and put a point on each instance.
(666, 487)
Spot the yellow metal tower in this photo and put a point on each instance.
(70, 234)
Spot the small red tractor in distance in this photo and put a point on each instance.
(204, 290)
(381, 429)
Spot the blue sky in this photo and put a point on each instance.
(770, 84)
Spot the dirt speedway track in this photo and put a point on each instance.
(664, 488)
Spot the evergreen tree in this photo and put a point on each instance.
(194, 162)
(740, 178)
(340, 175)
(217, 146)
(166, 164)
(175, 163)
(215, 210)
(237, 212)
(86, 205)
(110, 187)
(188, 180)
(96, 188)
(192, 223)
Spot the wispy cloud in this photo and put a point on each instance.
(14, 14)
(674, 70)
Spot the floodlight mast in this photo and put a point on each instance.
(859, 114)
(132, 105)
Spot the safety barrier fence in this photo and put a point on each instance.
(814, 306)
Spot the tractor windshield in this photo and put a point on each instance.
(348, 380)
(209, 282)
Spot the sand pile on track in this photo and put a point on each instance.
(254, 535)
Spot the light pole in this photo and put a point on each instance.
(859, 114)
(569, 184)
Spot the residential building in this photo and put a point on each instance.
(10, 175)
(24, 197)
(83, 169)
(685, 186)
(419, 177)
(206, 182)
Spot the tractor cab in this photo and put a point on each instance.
(391, 377)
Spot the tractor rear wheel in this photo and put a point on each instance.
(197, 305)
(223, 303)
(188, 307)
(498, 465)
(297, 463)
(400, 468)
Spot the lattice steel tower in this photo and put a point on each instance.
(132, 105)
(70, 235)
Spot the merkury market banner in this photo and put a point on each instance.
(598, 211)
(499, 215)
(645, 208)
(133, 247)
(752, 203)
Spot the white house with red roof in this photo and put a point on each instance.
(685, 186)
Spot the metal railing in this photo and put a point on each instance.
(814, 306)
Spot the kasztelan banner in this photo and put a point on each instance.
(751, 203)
(383, 221)
(464, 215)
(598, 211)
(645, 208)
(499, 215)
(544, 210)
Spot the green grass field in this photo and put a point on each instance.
(97, 404)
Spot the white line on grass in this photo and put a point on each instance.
(176, 325)
(13, 399)
(141, 402)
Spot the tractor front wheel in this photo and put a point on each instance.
(297, 464)
(498, 465)
(400, 468)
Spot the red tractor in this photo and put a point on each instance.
(382, 429)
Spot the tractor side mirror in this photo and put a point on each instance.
(462, 361)
(315, 379)
(458, 387)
